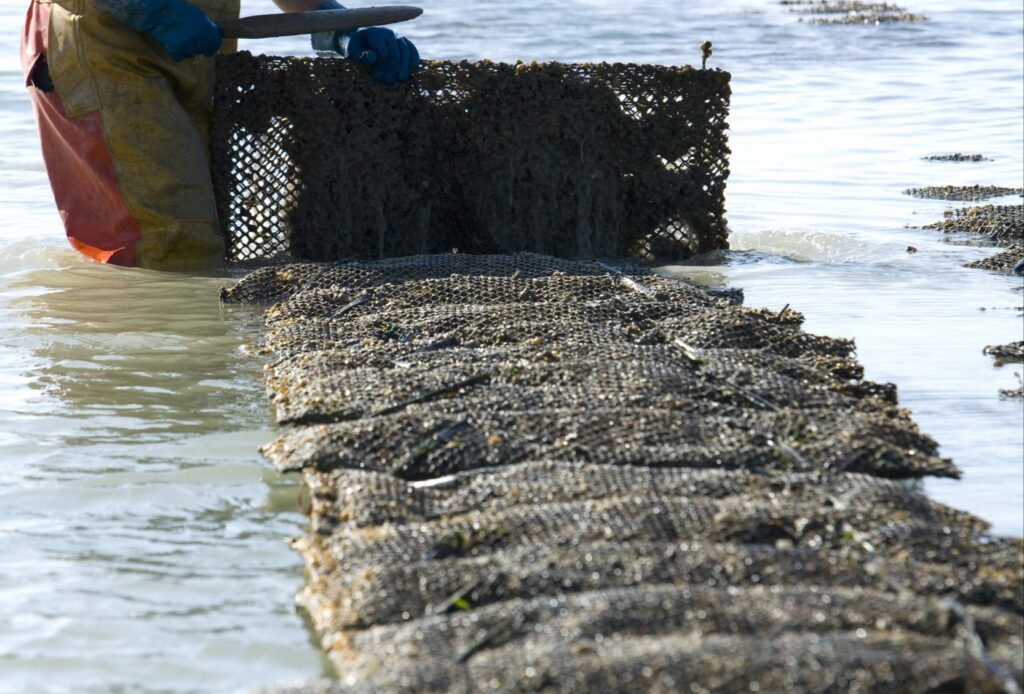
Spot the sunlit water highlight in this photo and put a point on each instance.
(141, 534)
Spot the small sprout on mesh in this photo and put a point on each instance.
(452, 545)
(799, 432)
(438, 438)
(459, 543)
(705, 53)
(513, 375)
(389, 332)
(458, 601)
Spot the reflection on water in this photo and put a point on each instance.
(133, 356)
(141, 534)
(139, 519)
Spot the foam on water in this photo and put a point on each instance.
(140, 531)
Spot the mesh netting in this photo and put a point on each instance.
(270, 285)
(618, 634)
(423, 443)
(530, 473)
(360, 499)
(1002, 224)
(761, 511)
(1011, 352)
(956, 156)
(392, 593)
(335, 302)
(1010, 260)
(330, 386)
(838, 6)
(963, 193)
(590, 160)
(869, 17)
(850, 12)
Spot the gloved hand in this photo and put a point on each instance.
(392, 58)
(182, 29)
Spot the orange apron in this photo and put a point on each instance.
(125, 136)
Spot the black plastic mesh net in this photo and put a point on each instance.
(963, 193)
(530, 474)
(313, 160)
(1009, 261)
(1000, 224)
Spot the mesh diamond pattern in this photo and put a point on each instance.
(313, 160)
(534, 474)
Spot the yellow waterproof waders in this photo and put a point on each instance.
(125, 136)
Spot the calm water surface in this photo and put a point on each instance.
(140, 532)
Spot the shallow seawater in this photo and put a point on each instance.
(141, 535)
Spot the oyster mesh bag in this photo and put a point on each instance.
(529, 473)
(1000, 224)
(313, 159)
(1008, 261)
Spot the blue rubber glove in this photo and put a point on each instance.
(182, 29)
(390, 57)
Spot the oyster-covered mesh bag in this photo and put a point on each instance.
(494, 639)
(427, 442)
(269, 285)
(1000, 224)
(313, 159)
(339, 385)
(529, 473)
(963, 193)
(1009, 261)
(361, 498)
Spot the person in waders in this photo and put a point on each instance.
(122, 91)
